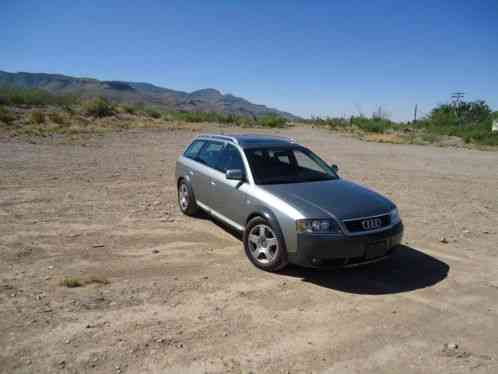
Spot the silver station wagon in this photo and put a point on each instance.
(289, 204)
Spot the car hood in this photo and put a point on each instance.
(336, 198)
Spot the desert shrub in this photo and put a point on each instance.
(33, 97)
(128, 109)
(372, 125)
(56, 117)
(71, 282)
(471, 121)
(98, 107)
(151, 112)
(271, 121)
(333, 123)
(36, 117)
(68, 109)
(5, 116)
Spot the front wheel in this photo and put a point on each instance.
(264, 245)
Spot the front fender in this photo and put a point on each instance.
(280, 222)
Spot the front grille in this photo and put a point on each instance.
(361, 224)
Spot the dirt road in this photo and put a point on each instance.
(182, 297)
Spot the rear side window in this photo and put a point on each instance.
(230, 159)
(194, 149)
(210, 153)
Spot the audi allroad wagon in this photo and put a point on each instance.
(290, 205)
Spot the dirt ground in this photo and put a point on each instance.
(183, 298)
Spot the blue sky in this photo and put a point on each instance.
(307, 57)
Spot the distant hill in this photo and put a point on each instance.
(205, 100)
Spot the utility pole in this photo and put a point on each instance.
(457, 98)
(415, 113)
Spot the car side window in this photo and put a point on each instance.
(230, 159)
(209, 154)
(194, 149)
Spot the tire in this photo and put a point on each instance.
(264, 245)
(186, 199)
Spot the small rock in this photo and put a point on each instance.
(171, 220)
(451, 346)
(444, 240)
(50, 267)
(225, 334)
(98, 246)
(161, 340)
(155, 251)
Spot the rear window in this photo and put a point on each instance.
(194, 149)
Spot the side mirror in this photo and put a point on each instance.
(335, 168)
(234, 174)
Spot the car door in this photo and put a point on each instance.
(228, 198)
(205, 164)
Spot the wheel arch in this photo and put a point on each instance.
(267, 214)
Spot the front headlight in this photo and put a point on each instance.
(319, 226)
(395, 218)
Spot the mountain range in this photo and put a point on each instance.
(204, 100)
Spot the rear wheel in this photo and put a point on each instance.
(186, 199)
(264, 245)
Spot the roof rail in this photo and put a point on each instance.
(286, 138)
(220, 137)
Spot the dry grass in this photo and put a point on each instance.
(393, 138)
(73, 282)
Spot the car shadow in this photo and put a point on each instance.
(406, 270)
(228, 229)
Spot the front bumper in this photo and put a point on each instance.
(337, 251)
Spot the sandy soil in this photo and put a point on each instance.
(183, 298)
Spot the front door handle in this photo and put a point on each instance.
(213, 183)
(191, 172)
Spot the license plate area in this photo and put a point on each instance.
(376, 249)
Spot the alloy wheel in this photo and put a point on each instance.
(263, 243)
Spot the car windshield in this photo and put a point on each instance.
(280, 165)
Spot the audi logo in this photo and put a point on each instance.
(371, 224)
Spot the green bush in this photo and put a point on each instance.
(98, 107)
(37, 117)
(128, 109)
(470, 121)
(150, 112)
(271, 121)
(33, 97)
(56, 117)
(5, 116)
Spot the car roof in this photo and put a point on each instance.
(251, 140)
